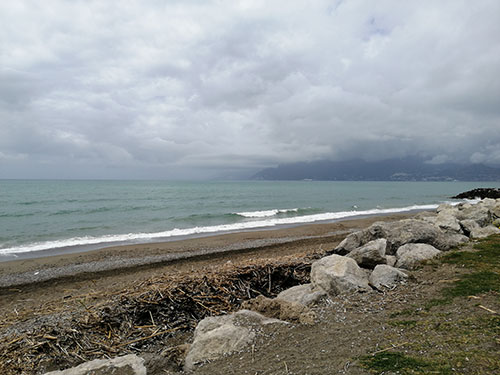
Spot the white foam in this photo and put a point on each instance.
(268, 222)
(265, 213)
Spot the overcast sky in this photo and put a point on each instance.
(194, 89)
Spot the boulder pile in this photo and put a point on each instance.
(375, 258)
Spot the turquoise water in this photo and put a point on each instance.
(44, 215)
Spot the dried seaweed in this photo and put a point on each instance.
(145, 316)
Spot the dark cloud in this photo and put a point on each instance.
(197, 89)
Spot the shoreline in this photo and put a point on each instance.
(196, 232)
(136, 257)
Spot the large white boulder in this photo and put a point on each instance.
(468, 226)
(371, 254)
(399, 233)
(293, 312)
(126, 365)
(410, 255)
(220, 335)
(386, 276)
(337, 274)
(484, 232)
(447, 221)
(478, 212)
(303, 294)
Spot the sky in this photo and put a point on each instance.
(219, 89)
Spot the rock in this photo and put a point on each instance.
(479, 193)
(303, 294)
(468, 225)
(371, 254)
(478, 213)
(447, 221)
(391, 260)
(444, 207)
(126, 365)
(399, 233)
(219, 335)
(490, 230)
(429, 217)
(488, 202)
(351, 242)
(386, 276)
(496, 223)
(280, 309)
(410, 255)
(495, 211)
(336, 274)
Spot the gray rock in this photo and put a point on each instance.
(479, 213)
(391, 260)
(410, 255)
(336, 274)
(447, 221)
(220, 335)
(303, 294)
(126, 365)
(386, 276)
(399, 233)
(495, 210)
(351, 242)
(371, 254)
(443, 207)
(426, 216)
(488, 202)
(490, 230)
(468, 226)
(293, 312)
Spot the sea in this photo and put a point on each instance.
(40, 217)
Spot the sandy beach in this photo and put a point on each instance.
(174, 256)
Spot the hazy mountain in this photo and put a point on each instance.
(407, 169)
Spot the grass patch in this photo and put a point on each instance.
(405, 312)
(485, 262)
(474, 283)
(404, 323)
(487, 256)
(401, 363)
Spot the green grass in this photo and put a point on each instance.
(403, 323)
(487, 256)
(485, 264)
(403, 364)
(438, 344)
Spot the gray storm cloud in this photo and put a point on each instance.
(181, 89)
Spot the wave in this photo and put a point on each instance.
(146, 237)
(266, 213)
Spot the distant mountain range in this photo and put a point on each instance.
(407, 169)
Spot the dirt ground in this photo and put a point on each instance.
(459, 336)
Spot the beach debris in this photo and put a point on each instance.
(384, 276)
(127, 365)
(303, 294)
(337, 274)
(371, 254)
(220, 335)
(280, 309)
(143, 317)
(412, 254)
